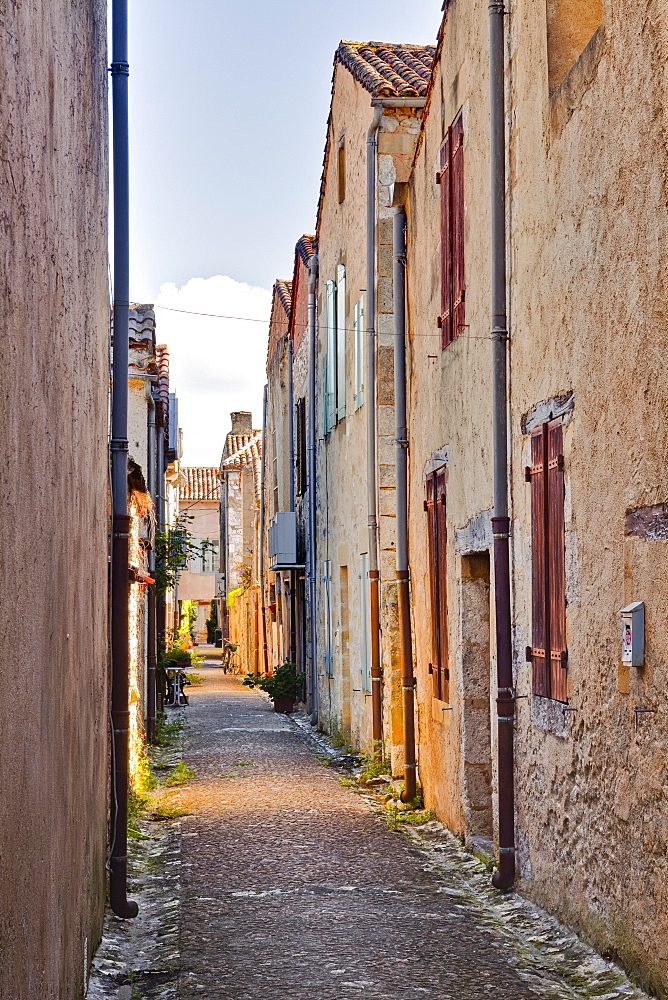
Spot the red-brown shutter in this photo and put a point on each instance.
(441, 539)
(557, 560)
(446, 243)
(457, 223)
(537, 476)
(433, 583)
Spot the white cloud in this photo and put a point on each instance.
(216, 365)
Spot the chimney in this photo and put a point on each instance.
(242, 422)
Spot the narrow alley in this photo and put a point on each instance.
(292, 886)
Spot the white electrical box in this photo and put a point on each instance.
(283, 541)
(633, 634)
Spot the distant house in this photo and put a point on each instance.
(199, 506)
(240, 606)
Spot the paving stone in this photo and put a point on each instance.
(291, 885)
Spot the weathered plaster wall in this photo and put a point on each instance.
(589, 293)
(341, 484)
(54, 317)
(450, 426)
(342, 456)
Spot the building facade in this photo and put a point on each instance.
(54, 314)
(199, 510)
(585, 210)
(240, 489)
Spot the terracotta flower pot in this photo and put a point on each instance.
(284, 705)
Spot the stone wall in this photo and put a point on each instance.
(54, 314)
(588, 298)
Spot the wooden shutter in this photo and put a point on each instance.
(539, 650)
(300, 450)
(429, 506)
(444, 178)
(441, 537)
(330, 364)
(457, 225)
(341, 343)
(557, 560)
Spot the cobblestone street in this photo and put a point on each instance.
(292, 886)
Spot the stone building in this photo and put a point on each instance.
(240, 610)
(377, 90)
(199, 509)
(585, 210)
(54, 315)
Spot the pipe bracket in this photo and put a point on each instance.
(120, 69)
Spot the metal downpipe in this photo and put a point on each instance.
(401, 445)
(160, 600)
(151, 651)
(370, 403)
(291, 496)
(505, 703)
(313, 575)
(263, 465)
(120, 585)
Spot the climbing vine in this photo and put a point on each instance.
(172, 548)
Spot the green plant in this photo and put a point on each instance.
(167, 733)
(285, 682)
(172, 548)
(176, 658)
(180, 775)
(212, 623)
(339, 736)
(194, 679)
(188, 618)
(375, 765)
(167, 810)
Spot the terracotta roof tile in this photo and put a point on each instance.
(201, 483)
(306, 247)
(388, 70)
(141, 321)
(242, 450)
(284, 291)
(163, 374)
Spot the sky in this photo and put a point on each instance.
(228, 112)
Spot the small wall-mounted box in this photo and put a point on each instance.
(633, 634)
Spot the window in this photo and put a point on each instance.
(547, 652)
(451, 179)
(569, 28)
(300, 450)
(358, 329)
(327, 580)
(437, 541)
(340, 343)
(335, 361)
(365, 648)
(330, 359)
(341, 168)
(204, 559)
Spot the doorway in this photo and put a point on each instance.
(476, 709)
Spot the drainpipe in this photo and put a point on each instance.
(401, 443)
(313, 576)
(161, 609)
(151, 652)
(120, 579)
(505, 702)
(265, 654)
(291, 495)
(370, 400)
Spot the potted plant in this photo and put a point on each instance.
(283, 686)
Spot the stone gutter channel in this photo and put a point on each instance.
(140, 958)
